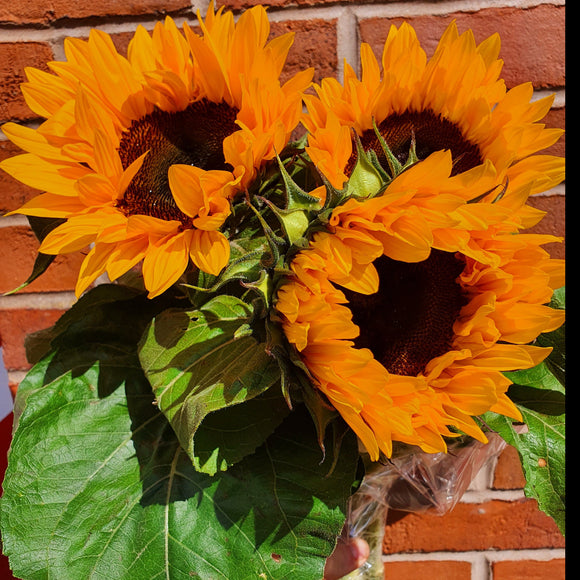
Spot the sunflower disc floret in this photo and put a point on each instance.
(145, 173)
(411, 305)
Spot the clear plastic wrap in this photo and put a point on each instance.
(413, 481)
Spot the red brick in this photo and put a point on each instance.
(556, 118)
(532, 38)
(433, 569)
(45, 13)
(15, 326)
(493, 525)
(121, 41)
(508, 471)
(13, 387)
(553, 222)
(14, 193)
(529, 570)
(238, 5)
(18, 250)
(14, 56)
(314, 46)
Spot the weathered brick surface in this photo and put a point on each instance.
(37, 12)
(529, 570)
(314, 46)
(18, 250)
(508, 472)
(493, 525)
(553, 222)
(12, 193)
(432, 569)
(237, 5)
(556, 118)
(14, 56)
(15, 326)
(532, 38)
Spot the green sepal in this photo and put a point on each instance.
(294, 222)
(247, 260)
(262, 286)
(275, 242)
(296, 197)
(334, 196)
(368, 179)
(395, 166)
(299, 209)
(297, 382)
(497, 197)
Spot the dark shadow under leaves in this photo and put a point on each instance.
(281, 490)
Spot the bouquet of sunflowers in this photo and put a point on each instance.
(287, 288)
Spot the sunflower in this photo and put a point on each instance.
(410, 305)
(455, 100)
(142, 155)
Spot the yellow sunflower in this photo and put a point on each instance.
(409, 307)
(455, 100)
(143, 154)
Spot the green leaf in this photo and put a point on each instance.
(559, 298)
(539, 377)
(545, 401)
(98, 487)
(41, 228)
(105, 324)
(367, 179)
(539, 393)
(228, 435)
(41, 264)
(556, 339)
(201, 361)
(556, 362)
(542, 452)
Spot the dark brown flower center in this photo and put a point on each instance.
(193, 136)
(432, 133)
(409, 321)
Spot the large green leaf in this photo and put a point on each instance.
(208, 360)
(226, 436)
(542, 450)
(556, 362)
(98, 487)
(105, 324)
(539, 393)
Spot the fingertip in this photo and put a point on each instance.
(360, 551)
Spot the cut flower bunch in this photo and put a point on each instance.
(282, 316)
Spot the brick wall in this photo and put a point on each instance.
(494, 533)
